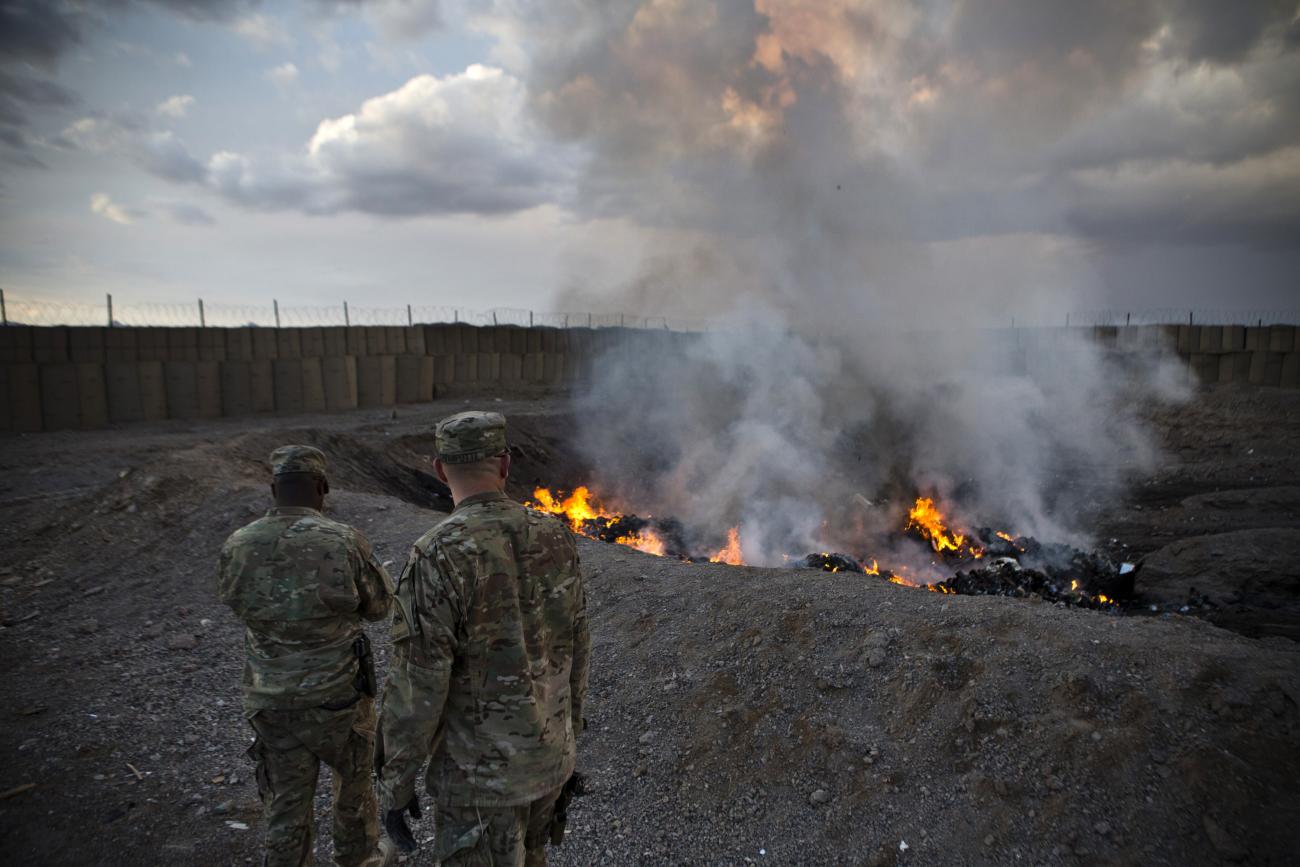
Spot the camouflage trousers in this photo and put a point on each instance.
(499, 837)
(289, 748)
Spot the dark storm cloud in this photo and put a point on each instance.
(1226, 32)
(38, 31)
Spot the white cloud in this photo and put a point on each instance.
(175, 106)
(284, 75)
(101, 204)
(262, 31)
(457, 144)
(183, 59)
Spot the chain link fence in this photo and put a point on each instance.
(24, 311)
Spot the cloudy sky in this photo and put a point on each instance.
(665, 156)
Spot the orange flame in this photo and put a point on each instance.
(1006, 537)
(647, 541)
(925, 516)
(578, 507)
(731, 553)
(873, 569)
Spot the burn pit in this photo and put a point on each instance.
(983, 562)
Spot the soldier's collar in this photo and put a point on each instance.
(485, 497)
(291, 510)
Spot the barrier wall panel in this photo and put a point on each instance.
(518, 342)
(150, 344)
(415, 340)
(376, 340)
(450, 339)
(433, 340)
(24, 397)
(357, 347)
(1281, 338)
(1290, 372)
(1257, 339)
(533, 367)
(239, 344)
(467, 367)
(123, 382)
(236, 388)
(15, 344)
(49, 344)
(340, 377)
(6, 402)
(469, 339)
(1234, 367)
(313, 385)
(313, 342)
(334, 341)
(153, 390)
(212, 344)
(92, 395)
(534, 337)
(395, 339)
(207, 388)
(59, 396)
(261, 383)
(552, 368)
(181, 381)
(1234, 338)
(512, 368)
(1106, 335)
(444, 370)
(1211, 338)
(86, 343)
(265, 344)
(288, 385)
(182, 344)
(1266, 368)
(489, 367)
(376, 381)
(414, 378)
(288, 343)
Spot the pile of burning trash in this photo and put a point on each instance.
(985, 562)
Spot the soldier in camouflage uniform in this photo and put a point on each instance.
(302, 584)
(489, 672)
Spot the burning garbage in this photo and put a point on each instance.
(983, 562)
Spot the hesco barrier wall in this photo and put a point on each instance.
(54, 378)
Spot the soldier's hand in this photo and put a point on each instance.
(395, 825)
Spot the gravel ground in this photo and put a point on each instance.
(737, 715)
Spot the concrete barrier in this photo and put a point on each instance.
(182, 344)
(469, 339)
(1211, 338)
(489, 367)
(1234, 367)
(552, 368)
(86, 343)
(1234, 338)
(288, 385)
(92, 395)
(376, 381)
(533, 367)
(415, 340)
(444, 370)
(534, 340)
(512, 368)
(49, 344)
(1257, 339)
(261, 384)
(193, 389)
(1266, 368)
(313, 386)
(20, 386)
(395, 339)
(357, 341)
(518, 341)
(414, 379)
(339, 374)
(236, 388)
(15, 344)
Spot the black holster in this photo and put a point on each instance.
(365, 679)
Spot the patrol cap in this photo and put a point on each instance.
(298, 459)
(472, 436)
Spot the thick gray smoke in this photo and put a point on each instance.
(853, 187)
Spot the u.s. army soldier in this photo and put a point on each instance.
(489, 673)
(302, 584)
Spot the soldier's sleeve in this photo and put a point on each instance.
(374, 585)
(581, 652)
(425, 623)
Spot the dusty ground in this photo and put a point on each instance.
(737, 715)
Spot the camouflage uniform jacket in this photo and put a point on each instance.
(490, 650)
(301, 584)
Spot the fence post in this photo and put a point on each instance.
(494, 317)
(276, 305)
(347, 320)
(409, 320)
(203, 320)
(2, 304)
(588, 320)
(1067, 320)
(455, 315)
(110, 311)
(4, 314)
(1128, 318)
(1190, 315)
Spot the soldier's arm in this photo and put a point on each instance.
(374, 585)
(581, 652)
(424, 645)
